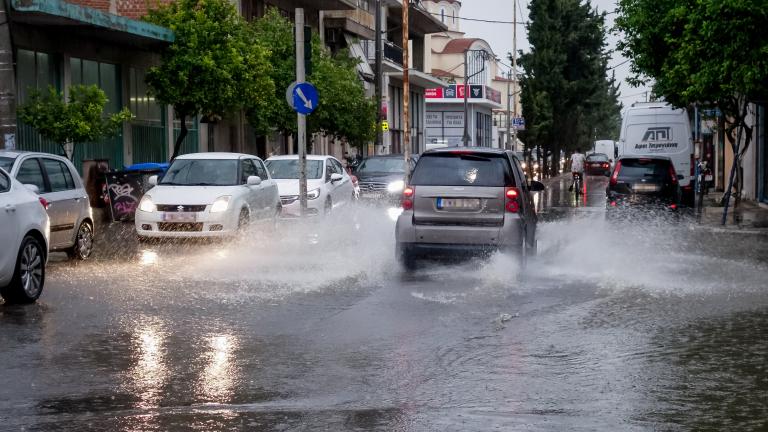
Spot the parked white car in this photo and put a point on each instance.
(59, 183)
(208, 195)
(328, 184)
(24, 235)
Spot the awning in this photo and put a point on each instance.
(316, 5)
(356, 51)
(418, 78)
(90, 22)
(421, 21)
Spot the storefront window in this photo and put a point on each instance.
(35, 70)
(105, 75)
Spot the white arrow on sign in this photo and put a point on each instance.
(307, 102)
(476, 92)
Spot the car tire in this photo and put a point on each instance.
(328, 207)
(405, 257)
(83, 246)
(29, 274)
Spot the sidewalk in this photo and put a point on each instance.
(750, 217)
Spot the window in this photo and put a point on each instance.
(35, 70)
(30, 173)
(328, 170)
(337, 166)
(59, 176)
(449, 169)
(5, 183)
(260, 170)
(442, 15)
(201, 172)
(105, 75)
(247, 169)
(289, 169)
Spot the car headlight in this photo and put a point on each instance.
(313, 194)
(396, 186)
(221, 204)
(524, 165)
(146, 204)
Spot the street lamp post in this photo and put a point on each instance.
(484, 56)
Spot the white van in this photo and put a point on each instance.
(606, 147)
(658, 129)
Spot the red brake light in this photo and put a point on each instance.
(43, 202)
(512, 205)
(672, 173)
(613, 203)
(408, 194)
(460, 152)
(615, 175)
(673, 206)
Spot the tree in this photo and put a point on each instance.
(213, 67)
(701, 52)
(344, 111)
(81, 119)
(566, 94)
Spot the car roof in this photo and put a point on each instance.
(482, 150)
(294, 157)
(217, 155)
(664, 158)
(15, 154)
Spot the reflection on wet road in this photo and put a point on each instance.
(611, 327)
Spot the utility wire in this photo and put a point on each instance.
(620, 64)
(480, 20)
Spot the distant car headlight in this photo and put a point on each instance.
(535, 166)
(146, 204)
(313, 194)
(396, 186)
(221, 204)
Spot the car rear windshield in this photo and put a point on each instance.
(6, 163)
(463, 169)
(598, 157)
(644, 168)
(202, 172)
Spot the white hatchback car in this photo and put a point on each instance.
(24, 235)
(69, 208)
(328, 184)
(208, 195)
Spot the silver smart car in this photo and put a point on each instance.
(466, 200)
(62, 190)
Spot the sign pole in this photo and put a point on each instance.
(406, 93)
(302, 119)
(465, 138)
(514, 73)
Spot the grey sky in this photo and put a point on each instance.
(500, 35)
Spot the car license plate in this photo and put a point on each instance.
(645, 187)
(179, 217)
(458, 204)
(371, 195)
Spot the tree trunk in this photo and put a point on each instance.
(7, 80)
(180, 138)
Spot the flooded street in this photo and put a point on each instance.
(632, 327)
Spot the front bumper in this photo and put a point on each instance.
(204, 225)
(292, 208)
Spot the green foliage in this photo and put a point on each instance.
(701, 51)
(214, 66)
(567, 97)
(81, 119)
(344, 111)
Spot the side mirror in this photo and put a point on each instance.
(253, 181)
(152, 180)
(33, 188)
(536, 186)
(336, 177)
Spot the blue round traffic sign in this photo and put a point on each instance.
(302, 97)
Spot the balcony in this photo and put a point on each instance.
(358, 22)
(392, 52)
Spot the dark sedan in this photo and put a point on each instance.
(647, 185)
(381, 178)
(598, 164)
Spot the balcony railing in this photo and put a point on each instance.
(391, 52)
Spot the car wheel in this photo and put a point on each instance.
(405, 257)
(328, 208)
(29, 275)
(243, 219)
(83, 243)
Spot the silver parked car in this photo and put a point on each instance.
(58, 182)
(466, 200)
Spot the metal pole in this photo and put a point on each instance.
(514, 69)
(465, 139)
(7, 88)
(379, 79)
(509, 112)
(302, 120)
(406, 92)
